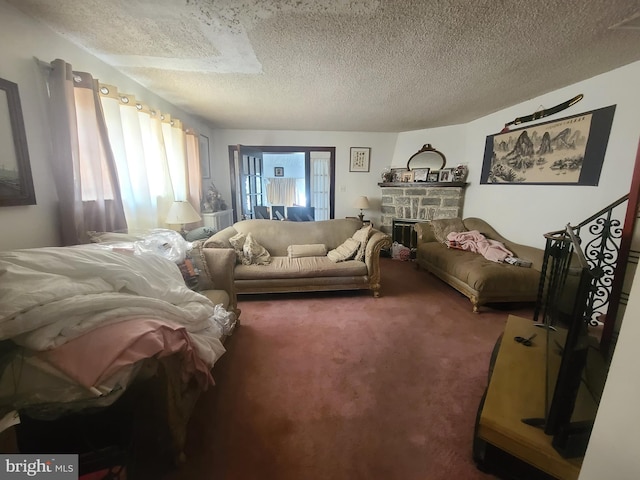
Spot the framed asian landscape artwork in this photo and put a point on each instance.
(16, 182)
(568, 151)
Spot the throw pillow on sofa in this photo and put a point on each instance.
(237, 242)
(310, 250)
(255, 253)
(362, 236)
(200, 264)
(345, 251)
(200, 233)
(444, 226)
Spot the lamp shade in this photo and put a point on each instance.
(362, 203)
(181, 213)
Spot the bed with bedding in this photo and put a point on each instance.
(80, 325)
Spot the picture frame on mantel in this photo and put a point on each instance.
(421, 174)
(360, 159)
(16, 181)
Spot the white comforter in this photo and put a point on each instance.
(51, 295)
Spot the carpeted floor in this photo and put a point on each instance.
(347, 386)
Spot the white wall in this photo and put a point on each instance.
(22, 39)
(613, 447)
(349, 185)
(524, 212)
(292, 164)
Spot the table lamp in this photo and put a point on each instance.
(362, 203)
(181, 213)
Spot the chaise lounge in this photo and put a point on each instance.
(482, 281)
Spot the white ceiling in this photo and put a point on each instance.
(348, 65)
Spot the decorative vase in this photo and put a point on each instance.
(387, 175)
(460, 172)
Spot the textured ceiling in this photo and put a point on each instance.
(360, 65)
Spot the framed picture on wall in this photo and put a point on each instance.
(567, 151)
(278, 171)
(16, 182)
(359, 161)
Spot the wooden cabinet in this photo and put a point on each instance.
(218, 220)
(516, 390)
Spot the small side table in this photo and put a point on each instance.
(218, 220)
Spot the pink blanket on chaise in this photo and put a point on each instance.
(474, 241)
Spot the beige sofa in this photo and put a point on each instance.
(482, 281)
(307, 273)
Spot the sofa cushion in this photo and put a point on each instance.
(217, 297)
(362, 236)
(345, 251)
(444, 226)
(221, 238)
(255, 253)
(309, 250)
(237, 243)
(199, 262)
(200, 233)
(277, 236)
(306, 267)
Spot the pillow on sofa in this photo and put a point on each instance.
(345, 251)
(444, 226)
(255, 253)
(237, 242)
(200, 264)
(199, 234)
(362, 236)
(309, 250)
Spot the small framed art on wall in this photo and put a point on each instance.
(359, 161)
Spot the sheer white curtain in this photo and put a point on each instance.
(281, 191)
(138, 146)
(83, 165)
(152, 156)
(320, 184)
(118, 164)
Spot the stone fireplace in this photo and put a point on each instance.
(420, 202)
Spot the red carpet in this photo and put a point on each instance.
(347, 386)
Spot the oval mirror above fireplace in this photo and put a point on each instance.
(427, 157)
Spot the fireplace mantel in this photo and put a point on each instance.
(423, 184)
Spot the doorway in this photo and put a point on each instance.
(263, 177)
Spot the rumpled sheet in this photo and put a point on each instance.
(97, 355)
(93, 313)
(51, 295)
(476, 242)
